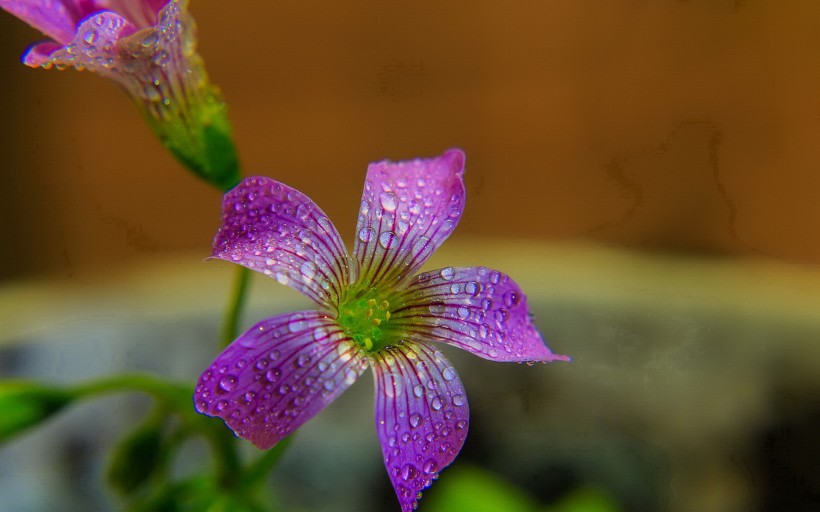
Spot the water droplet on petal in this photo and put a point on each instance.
(447, 273)
(388, 201)
(435, 403)
(366, 234)
(90, 36)
(409, 472)
(418, 390)
(449, 373)
(459, 400)
(463, 313)
(416, 419)
(387, 239)
(227, 383)
(302, 360)
(430, 466)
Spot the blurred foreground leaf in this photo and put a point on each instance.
(476, 490)
(26, 404)
(585, 499)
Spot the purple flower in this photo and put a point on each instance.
(149, 48)
(375, 311)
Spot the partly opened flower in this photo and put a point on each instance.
(374, 311)
(149, 48)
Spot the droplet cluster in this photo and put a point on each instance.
(278, 375)
(408, 209)
(157, 64)
(421, 416)
(280, 232)
(478, 309)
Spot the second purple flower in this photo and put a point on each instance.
(375, 312)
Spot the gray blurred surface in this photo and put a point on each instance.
(680, 368)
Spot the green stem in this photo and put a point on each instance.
(177, 397)
(237, 302)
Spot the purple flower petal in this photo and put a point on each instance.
(422, 416)
(278, 375)
(279, 231)
(408, 209)
(477, 309)
(53, 18)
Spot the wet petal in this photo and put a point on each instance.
(278, 375)
(477, 309)
(279, 231)
(53, 18)
(408, 209)
(422, 416)
(159, 68)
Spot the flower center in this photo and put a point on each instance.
(363, 318)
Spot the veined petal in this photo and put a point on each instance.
(278, 375)
(279, 231)
(53, 18)
(422, 416)
(408, 209)
(477, 309)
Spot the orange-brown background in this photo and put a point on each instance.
(687, 125)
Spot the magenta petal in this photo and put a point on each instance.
(274, 229)
(52, 18)
(408, 209)
(278, 375)
(477, 309)
(422, 416)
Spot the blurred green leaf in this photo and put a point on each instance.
(471, 488)
(26, 404)
(136, 457)
(585, 499)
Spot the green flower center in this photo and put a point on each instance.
(364, 318)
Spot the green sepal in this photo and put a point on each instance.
(25, 404)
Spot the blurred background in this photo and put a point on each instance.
(647, 170)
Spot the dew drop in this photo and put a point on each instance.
(459, 400)
(388, 201)
(449, 373)
(366, 234)
(387, 239)
(416, 419)
(222, 405)
(90, 36)
(297, 324)
(455, 288)
(495, 277)
(463, 313)
(435, 403)
(471, 288)
(249, 396)
(447, 273)
(329, 385)
(302, 360)
(430, 466)
(512, 298)
(418, 390)
(409, 472)
(227, 383)
(261, 364)
(272, 375)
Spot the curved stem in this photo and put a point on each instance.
(237, 302)
(177, 397)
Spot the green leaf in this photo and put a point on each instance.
(27, 404)
(585, 499)
(474, 489)
(136, 457)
